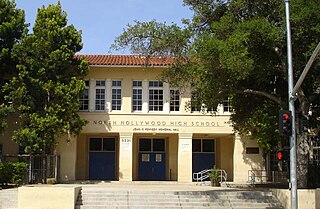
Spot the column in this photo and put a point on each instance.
(125, 157)
(243, 162)
(92, 95)
(108, 94)
(145, 94)
(166, 98)
(185, 157)
(67, 149)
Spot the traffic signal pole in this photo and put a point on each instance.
(293, 154)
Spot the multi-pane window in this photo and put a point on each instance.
(196, 105)
(316, 151)
(226, 105)
(202, 145)
(84, 98)
(100, 95)
(102, 145)
(155, 96)
(137, 95)
(116, 95)
(174, 100)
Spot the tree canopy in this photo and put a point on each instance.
(47, 86)
(237, 49)
(12, 29)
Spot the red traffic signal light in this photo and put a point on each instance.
(279, 155)
(285, 122)
(282, 155)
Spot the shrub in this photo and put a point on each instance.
(13, 173)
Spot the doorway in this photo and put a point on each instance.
(152, 159)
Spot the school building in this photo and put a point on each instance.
(139, 129)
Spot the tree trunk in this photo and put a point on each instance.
(303, 150)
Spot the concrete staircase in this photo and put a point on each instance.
(9, 198)
(99, 198)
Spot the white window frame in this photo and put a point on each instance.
(116, 95)
(100, 90)
(137, 97)
(174, 100)
(84, 97)
(156, 103)
(226, 105)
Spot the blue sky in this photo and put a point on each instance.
(103, 20)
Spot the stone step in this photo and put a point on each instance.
(149, 207)
(168, 207)
(157, 203)
(92, 198)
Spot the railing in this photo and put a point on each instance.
(204, 175)
(263, 176)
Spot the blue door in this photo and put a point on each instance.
(102, 159)
(152, 160)
(203, 156)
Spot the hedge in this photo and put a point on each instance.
(13, 173)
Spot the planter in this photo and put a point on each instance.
(215, 183)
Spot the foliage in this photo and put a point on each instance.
(14, 173)
(213, 174)
(12, 29)
(48, 84)
(237, 49)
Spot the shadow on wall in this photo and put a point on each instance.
(254, 160)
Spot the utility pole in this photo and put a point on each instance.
(293, 154)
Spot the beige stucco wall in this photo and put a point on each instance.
(185, 157)
(125, 157)
(67, 149)
(307, 198)
(243, 162)
(226, 148)
(172, 154)
(48, 197)
(82, 158)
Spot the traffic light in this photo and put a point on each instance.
(280, 155)
(285, 122)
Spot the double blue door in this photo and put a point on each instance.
(152, 160)
(102, 159)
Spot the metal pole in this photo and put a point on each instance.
(306, 70)
(293, 156)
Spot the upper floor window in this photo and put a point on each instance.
(316, 151)
(155, 96)
(226, 105)
(116, 95)
(174, 100)
(100, 95)
(84, 98)
(196, 105)
(137, 95)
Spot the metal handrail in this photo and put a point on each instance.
(263, 176)
(202, 175)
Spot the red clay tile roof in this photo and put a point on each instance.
(126, 60)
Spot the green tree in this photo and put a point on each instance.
(49, 81)
(12, 29)
(237, 49)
